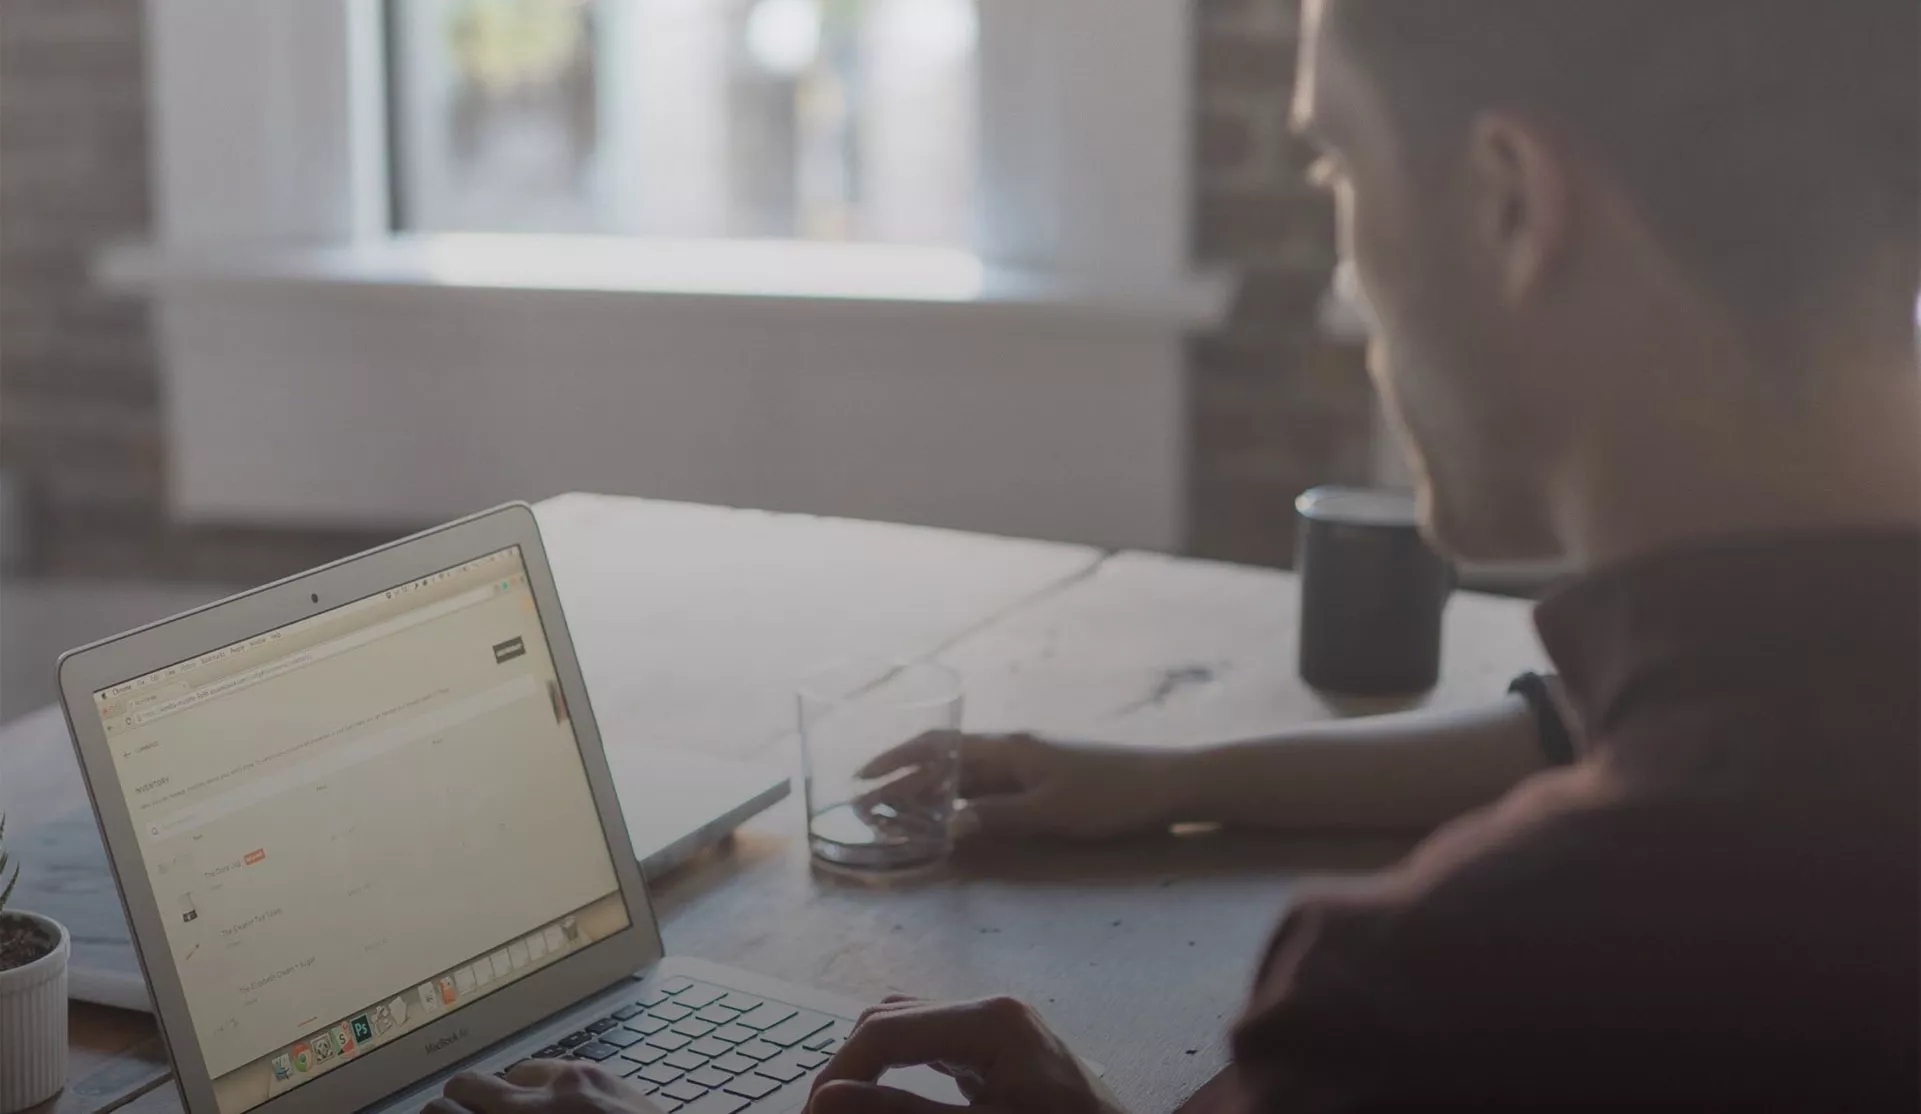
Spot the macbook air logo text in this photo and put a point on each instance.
(447, 1041)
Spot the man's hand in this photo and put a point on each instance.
(542, 1087)
(996, 1049)
(1023, 785)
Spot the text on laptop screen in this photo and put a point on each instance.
(359, 822)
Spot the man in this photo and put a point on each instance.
(1644, 274)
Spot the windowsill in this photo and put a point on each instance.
(734, 274)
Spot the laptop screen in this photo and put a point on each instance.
(361, 821)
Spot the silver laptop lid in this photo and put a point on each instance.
(361, 820)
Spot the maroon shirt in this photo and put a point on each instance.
(1718, 906)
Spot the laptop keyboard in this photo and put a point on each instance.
(702, 1049)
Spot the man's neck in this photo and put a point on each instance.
(1695, 469)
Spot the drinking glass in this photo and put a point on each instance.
(869, 817)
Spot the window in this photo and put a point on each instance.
(808, 119)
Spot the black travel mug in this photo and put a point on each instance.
(1372, 594)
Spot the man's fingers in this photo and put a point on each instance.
(986, 761)
(887, 1005)
(967, 1035)
(872, 1098)
(927, 783)
(926, 748)
(485, 1094)
(1010, 816)
(538, 1073)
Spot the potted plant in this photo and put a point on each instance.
(33, 999)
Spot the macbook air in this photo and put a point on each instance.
(367, 836)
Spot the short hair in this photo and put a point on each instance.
(1770, 144)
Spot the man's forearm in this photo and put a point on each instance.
(1408, 772)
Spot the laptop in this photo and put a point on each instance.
(366, 836)
(681, 802)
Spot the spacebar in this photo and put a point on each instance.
(716, 1102)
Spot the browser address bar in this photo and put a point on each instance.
(267, 671)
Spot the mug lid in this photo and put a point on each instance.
(1359, 506)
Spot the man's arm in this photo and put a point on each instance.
(1404, 772)
(1409, 771)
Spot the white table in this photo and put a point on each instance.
(692, 623)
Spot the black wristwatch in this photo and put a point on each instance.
(1556, 742)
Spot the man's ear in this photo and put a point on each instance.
(1520, 193)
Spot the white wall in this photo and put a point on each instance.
(314, 404)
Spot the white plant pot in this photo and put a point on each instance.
(33, 1023)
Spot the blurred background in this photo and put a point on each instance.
(280, 279)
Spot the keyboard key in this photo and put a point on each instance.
(685, 1061)
(628, 1013)
(668, 1106)
(503, 1072)
(741, 1003)
(693, 1027)
(551, 1052)
(603, 1025)
(735, 1034)
(811, 1060)
(766, 1015)
(708, 1077)
(653, 998)
(734, 1063)
(670, 1040)
(759, 1050)
(659, 1073)
(707, 1046)
(683, 1091)
(797, 1029)
(718, 1014)
(819, 1042)
(675, 986)
(644, 1054)
(647, 1026)
(671, 1012)
(832, 1046)
(621, 1038)
(752, 1087)
(782, 1067)
(700, 996)
(716, 1102)
(576, 1039)
(596, 1052)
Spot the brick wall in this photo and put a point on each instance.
(1274, 411)
(80, 401)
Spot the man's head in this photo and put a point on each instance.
(1552, 203)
